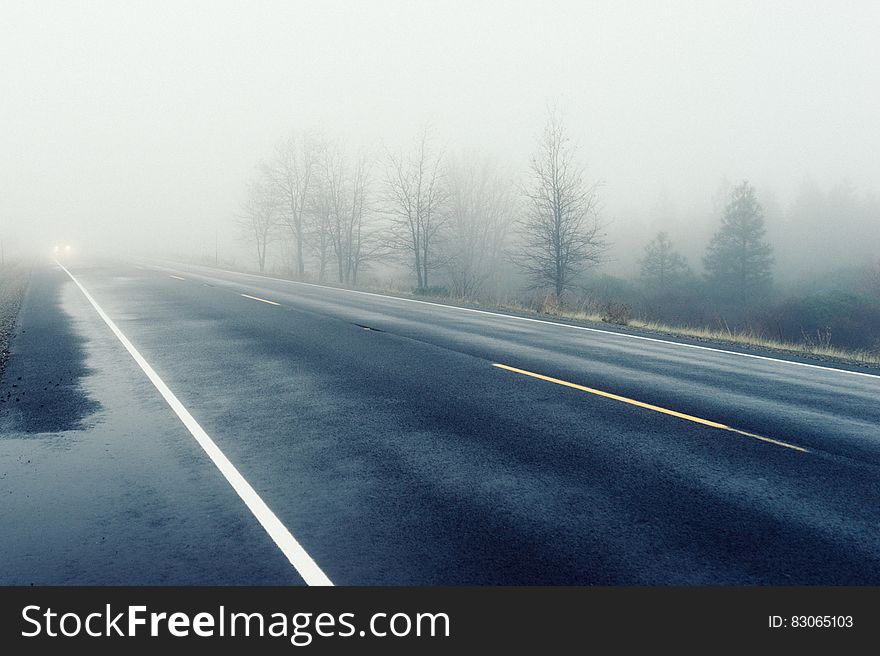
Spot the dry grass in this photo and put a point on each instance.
(809, 347)
(13, 281)
(748, 338)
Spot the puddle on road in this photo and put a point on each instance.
(42, 388)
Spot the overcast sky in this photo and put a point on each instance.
(141, 121)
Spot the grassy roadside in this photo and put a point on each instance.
(743, 339)
(733, 337)
(13, 282)
(747, 339)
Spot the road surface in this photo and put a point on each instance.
(174, 424)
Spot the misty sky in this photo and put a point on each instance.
(140, 122)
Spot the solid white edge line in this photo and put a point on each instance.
(295, 553)
(550, 323)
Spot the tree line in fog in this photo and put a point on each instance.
(462, 226)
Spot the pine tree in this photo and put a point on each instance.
(739, 259)
(662, 265)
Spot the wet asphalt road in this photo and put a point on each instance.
(382, 436)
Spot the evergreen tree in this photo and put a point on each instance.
(662, 266)
(739, 259)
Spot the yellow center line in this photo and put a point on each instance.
(177, 277)
(261, 300)
(648, 406)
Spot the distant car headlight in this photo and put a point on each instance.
(56, 249)
(67, 248)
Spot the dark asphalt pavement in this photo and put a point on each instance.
(382, 437)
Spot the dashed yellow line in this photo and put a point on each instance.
(655, 408)
(261, 300)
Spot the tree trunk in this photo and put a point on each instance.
(261, 256)
(300, 265)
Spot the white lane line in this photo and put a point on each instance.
(295, 553)
(261, 300)
(553, 323)
(176, 277)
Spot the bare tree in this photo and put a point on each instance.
(319, 209)
(259, 217)
(479, 213)
(560, 234)
(359, 241)
(345, 188)
(290, 172)
(414, 198)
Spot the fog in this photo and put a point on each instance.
(136, 126)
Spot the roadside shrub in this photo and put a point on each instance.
(617, 313)
(432, 290)
(549, 304)
(820, 339)
(841, 318)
